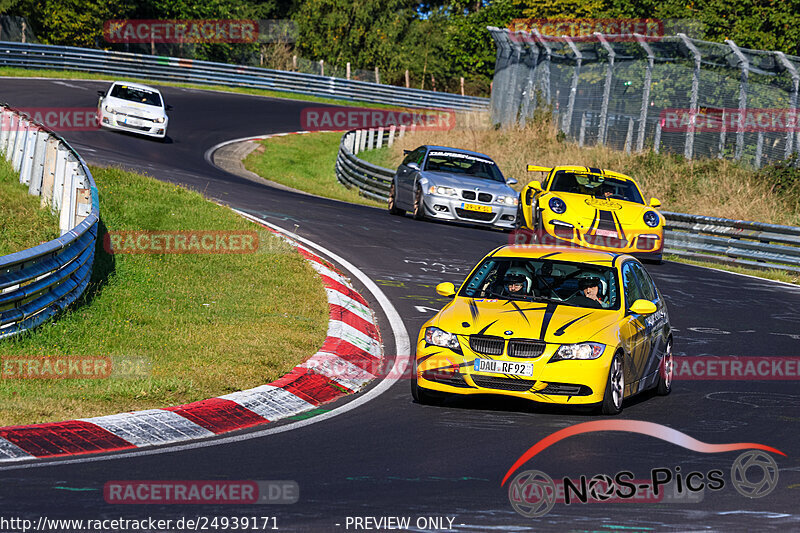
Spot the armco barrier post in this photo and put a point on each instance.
(37, 168)
(26, 163)
(5, 116)
(68, 197)
(48, 176)
(19, 149)
(10, 138)
(59, 176)
(17, 138)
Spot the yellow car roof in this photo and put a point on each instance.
(576, 168)
(564, 253)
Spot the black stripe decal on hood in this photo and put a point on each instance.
(560, 331)
(481, 332)
(548, 316)
(473, 310)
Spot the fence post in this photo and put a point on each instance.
(408, 80)
(321, 67)
(529, 95)
(402, 131)
(348, 70)
(380, 137)
(688, 150)
(582, 132)
(792, 99)
(722, 131)
(601, 134)
(759, 149)
(648, 81)
(392, 129)
(513, 95)
(629, 136)
(745, 67)
(370, 142)
(503, 53)
(356, 142)
(657, 138)
(363, 145)
(294, 62)
(377, 76)
(462, 85)
(566, 124)
(548, 56)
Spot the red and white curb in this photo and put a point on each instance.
(345, 363)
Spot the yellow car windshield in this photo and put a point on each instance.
(596, 186)
(560, 282)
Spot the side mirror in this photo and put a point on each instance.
(536, 185)
(101, 93)
(413, 166)
(512, 181)
(655, 202)
(406, 152)
(643, 307)
(448, 289)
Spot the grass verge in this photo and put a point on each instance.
(23, 223)
(304, 162)
(190, 326)
(77, 74)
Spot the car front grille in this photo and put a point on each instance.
(610, 242)
(484, 197)
(526, 348)
(566, 389)
(474, 215)
(496, 382)
(468, 195)
(454, 379)
(486, 345)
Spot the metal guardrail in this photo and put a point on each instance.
(739, 242)
(37, 283)
(206, 72)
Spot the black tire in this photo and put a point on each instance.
(666, 372)
(392, 203)
(425, 396)
(615, 388)
(419, 210)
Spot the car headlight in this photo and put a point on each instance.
(159, 120)
(584, 350)
(439, 337)
(109, 109)
(444, 191)
(508, 200)
(557, 205)
(651, 218)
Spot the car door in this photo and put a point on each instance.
(656, 324)
(634, 329)
(406, 178)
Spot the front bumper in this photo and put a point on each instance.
(563, 382)
(147, 127)
(646, 244)
(452, 208)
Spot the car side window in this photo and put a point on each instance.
(415, 157)
(647, 285)
(630, 282)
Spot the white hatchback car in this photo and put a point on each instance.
(133, 107)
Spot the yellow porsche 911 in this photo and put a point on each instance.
(557, 325)
(592, 208)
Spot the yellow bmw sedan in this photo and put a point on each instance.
(550, 324)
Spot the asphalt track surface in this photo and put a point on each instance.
(393, 457)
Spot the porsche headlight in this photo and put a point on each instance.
(584, 350)
(444, 191)
(439, 337)
(557, 205)
(651, 218)
(508, 200)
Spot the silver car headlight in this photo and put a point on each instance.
(444, 191)
(508, 200)
(439, 337)
(582, 351)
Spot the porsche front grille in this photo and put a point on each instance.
(510, 384)
(526, 348)
(486, 345)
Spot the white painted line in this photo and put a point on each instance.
(269, 401)
(401, 362)
(150, 427)
(10, 451)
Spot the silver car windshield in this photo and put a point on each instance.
(136, 94)
(458, 163)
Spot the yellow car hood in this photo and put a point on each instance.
(546, 321)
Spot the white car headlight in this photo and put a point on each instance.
(444, 191)
(508, 200)
(584, 350)
(159, 120)
(439, 337)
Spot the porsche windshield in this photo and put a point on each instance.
(533, 280)
(596, 185)
(467, 164)
(136, 94)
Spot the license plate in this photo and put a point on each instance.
(605, 233)
(473, 207)
(132, 122)
(493, 366)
